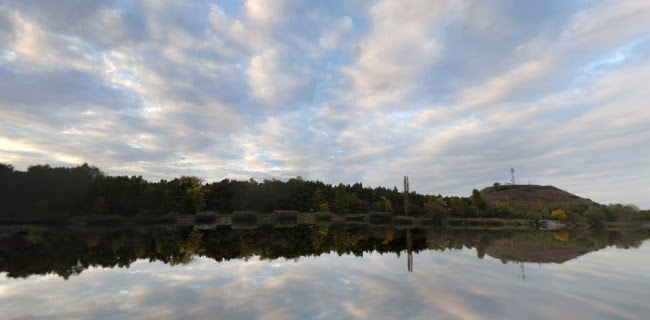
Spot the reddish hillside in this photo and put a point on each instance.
(531, 194)
(535, 253)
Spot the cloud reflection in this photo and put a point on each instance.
(444, 285)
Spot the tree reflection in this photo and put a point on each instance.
(67, 252)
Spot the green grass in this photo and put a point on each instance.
(244, 218)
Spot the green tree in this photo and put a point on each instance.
(341, 200)
(477, 200)
(196, 196)
(435, 209)
(596, 217)
(318, 200)
(384, 204)
(6, 169)
(99, 205)
(324, 207)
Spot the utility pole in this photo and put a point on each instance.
(512, 173)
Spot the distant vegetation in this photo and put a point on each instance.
(45, 194)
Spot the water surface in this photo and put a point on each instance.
(324, 273)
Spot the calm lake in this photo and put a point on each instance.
(322, 272)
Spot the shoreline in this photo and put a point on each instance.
(253, 220)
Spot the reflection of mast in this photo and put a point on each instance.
(409, 250)
(409, 238)
(523, 271)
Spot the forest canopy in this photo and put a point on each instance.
(45, 191)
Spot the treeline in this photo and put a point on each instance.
(85, 189)
(59, 192)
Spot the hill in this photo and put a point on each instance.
(531, 195)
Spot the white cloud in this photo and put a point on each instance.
(450, 93)
(276, 76)
(399, 48)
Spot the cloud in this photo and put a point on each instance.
(277, 77)
(453, 94)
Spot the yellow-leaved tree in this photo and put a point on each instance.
(389, 206)
(558, 214)
(561, 236)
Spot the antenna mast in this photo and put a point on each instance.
(406, 195)
(512, 173)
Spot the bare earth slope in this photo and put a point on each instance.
(530, 194)
(535, 253)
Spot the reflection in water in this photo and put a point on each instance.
(409, 248)
(343, 272)
(24, 252)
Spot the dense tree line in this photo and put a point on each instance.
(85, 189)
(59, 192)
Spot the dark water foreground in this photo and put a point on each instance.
(322, 272)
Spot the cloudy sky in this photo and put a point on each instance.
(451, 93)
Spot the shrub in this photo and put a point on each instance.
(285, 215)
(285, 218)
(244, 217)
(561, 236)
(104, 220)
(205, 217)
(56, 220)
(558, 214)
(324, 207)
(168, 218)
(403, 221)
(323, 216)
(357, 219)
(380, 217)
(595, 216)
(432, 222)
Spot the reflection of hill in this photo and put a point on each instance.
(535, 253)
(530, 194)
(67, 252)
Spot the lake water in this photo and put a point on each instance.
(333, 272)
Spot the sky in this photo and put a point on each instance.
(451, 93)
